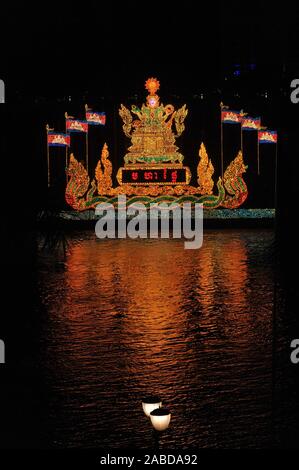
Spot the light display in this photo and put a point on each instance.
(205, 171)
(234, 183)
(153, 140)
(104, 172)
(152, 175)
(153, 168)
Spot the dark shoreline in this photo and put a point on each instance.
(213, 219)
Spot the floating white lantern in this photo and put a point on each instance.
(151, 403)
(160, 418)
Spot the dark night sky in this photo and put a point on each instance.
(108, 47)
(67, 46)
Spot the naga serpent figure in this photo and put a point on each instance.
(81, 195)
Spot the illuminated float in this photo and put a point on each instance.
(153, 170)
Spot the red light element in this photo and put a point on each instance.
(174, 176)
(148, 175)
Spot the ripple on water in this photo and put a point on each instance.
(126, 318)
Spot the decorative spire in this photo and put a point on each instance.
(152, 85)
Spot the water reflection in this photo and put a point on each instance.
(128, 318)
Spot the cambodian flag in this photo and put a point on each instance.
(251, 124)
(95, 118)
(231, 117)
(58, 139)
(267, 137)
(75, 125)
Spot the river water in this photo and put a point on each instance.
(127, 318)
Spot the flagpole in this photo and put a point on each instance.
(242, 114)
(86, 139)
(221, 140)
(241, 139)
(48, 155)
(258, 155)
(276, 176)
(66, 150)
(87, 151)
